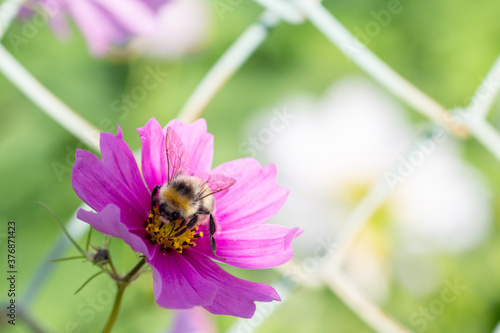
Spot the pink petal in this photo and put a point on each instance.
(198, 143)
(195, 320)
(58, 19)
(177, 284)
(154, 159)
(94, 25)
(253, 199)
(98, 187)
(111, 21)
(133, 16)
(154, 4)
(119, 159)
(234, 296)
(264, 246)
(107, 221)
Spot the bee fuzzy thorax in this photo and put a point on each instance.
(183, 193)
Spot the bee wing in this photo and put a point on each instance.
(216, 183)
(175, 151)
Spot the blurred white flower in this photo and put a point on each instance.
(332, 151)
(181, 27)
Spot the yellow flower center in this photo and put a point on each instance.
(166, 234)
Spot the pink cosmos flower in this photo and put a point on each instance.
(184, 272)
(102, 22)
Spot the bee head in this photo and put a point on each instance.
(169, 212)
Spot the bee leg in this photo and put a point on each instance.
(212, 238)
(191, 224)
(154, 199)
(179, 232)
(193, 221)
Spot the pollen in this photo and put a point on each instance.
(167, 234)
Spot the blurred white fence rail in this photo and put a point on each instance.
(227, 65)
(8, 12)
(47, 102)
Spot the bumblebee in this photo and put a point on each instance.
(184, 198)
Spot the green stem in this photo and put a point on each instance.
(134, 270)
(121, 284)
(116, 307)
(115, 274)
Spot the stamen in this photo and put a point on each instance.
(162, 232)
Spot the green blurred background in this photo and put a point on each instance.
(444, 47)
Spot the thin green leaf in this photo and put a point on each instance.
(86, 282)
(69, 258)
(62, 226)
(106, 240)
(88, 239)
